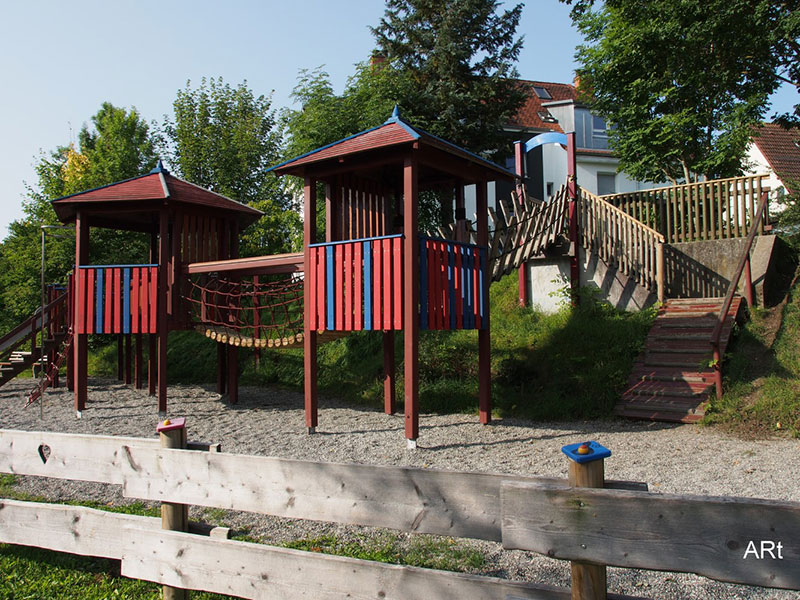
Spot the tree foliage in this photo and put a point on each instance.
(459, 57)
(681, 82)
(224, 138)
(117, 146)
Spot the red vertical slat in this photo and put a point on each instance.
(397, 284)
(438, 284)
(458, 285)
(338, 266)
(117, 300)
(108, 296)
(388, 281)
(431, 263)
(348, 287)
(476, 277)
(321, 287)
(313, 322)
(91, 299)
(152, 298)
(358, 268)
(135, 299)
(144, 304)
(445, 285)
(377, 284)
(80, 301)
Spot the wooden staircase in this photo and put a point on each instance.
(673, 376)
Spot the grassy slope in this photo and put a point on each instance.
(762, 374)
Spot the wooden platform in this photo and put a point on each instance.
(672, 377)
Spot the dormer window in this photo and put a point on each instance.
(545, 116)
(542, 92)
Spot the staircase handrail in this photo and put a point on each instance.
(744, 261)
(23, 330)
(585, 194)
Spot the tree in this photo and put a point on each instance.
(459, 56)
(118, 146)
(224, 138)
(681, 83)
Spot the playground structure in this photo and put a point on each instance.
(372, 269)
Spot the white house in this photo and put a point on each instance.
(776, 151)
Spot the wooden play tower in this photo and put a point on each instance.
(373, 269)
(186, 224)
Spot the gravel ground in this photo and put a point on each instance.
(670, 458)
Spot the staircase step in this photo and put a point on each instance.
(642, 372)
(682, 389)
(697, 362)
(684, 301)
(655, 414)
(676, 323)
(687, 346)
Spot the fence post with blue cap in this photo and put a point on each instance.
(587, 470)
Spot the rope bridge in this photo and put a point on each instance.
(250, 313)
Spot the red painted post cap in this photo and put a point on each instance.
(171, 424)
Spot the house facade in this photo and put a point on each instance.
(776, 151)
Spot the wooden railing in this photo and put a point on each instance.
(454, 288)
(622, 241)
(116, 299)
(708, 210)
(622, 524)
(743, 267)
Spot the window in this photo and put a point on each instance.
(549, 189)
(606, 183)
(546, 117)
(542, 92)
(590, 131)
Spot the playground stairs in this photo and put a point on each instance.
(673, 375)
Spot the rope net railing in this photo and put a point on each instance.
(252, 312)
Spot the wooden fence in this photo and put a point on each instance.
(622, 525)
(708, 210)
(622, 241)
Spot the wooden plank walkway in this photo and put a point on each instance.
(672, 377)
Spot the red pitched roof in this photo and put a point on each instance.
(159, 184)
(781, 148)
(529, 115)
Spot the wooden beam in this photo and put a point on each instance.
(309, 335)
(81, 357)
(709, 536)
(162, 323)
(411, 299)
(388, 373)
(484, 341)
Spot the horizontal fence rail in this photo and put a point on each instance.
(454, 288)
(707, 210)
(622, 241)
(621, 524)
(357, 284)
(117, 299)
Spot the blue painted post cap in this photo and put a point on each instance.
(592, 451)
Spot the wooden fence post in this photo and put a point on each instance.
(174, 516)
(586, 469)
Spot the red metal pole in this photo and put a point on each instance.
(484, 345)
(81, 353)
(411, 299)
(572, 189)
(309, 335)
(717, 368)
(162, 324)
(748, 282)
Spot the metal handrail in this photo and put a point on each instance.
(744, 265)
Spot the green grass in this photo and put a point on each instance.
(762, 380)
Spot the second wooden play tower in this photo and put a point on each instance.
(374, 269)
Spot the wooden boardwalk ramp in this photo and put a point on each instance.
(673, 376)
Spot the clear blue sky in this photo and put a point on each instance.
(60, 60)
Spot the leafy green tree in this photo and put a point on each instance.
(224, 138)
(118, 146)
(459, 56)
(682, 83)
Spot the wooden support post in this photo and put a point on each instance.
(71, 322)
(484, 341)
(388, 373)
(162, 323)
(152, 349)
(128, 352)
(411, 300)
(120, 358)
(174, 516)
(309, 335)
(588, 581)
(81, 353)
(137, 363)
(660, 274)
(519, 166)
(572, 190)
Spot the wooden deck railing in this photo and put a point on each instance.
(622, 241)
(622, 524)
(708, 210)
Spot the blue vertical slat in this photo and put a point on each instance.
(367, 285)
(126, 300)
(330, 288)
(98, 304)
(423, 283)
(451, 283)
(484, 290)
